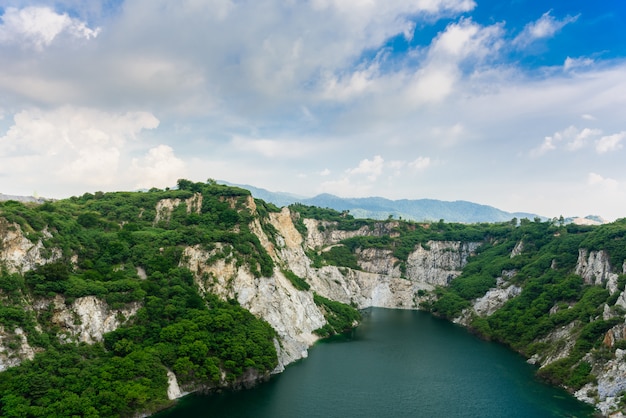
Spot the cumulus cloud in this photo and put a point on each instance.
(158, 168)
(573, 138)
(68, 144)
(420, 163)
(458, 43)
(544, 27)
(39, 26)
(370, 168)
(598, 181)
(610, 143)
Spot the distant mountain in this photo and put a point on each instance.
(381, 208)
(280, 199)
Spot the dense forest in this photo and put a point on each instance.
(105, 239)
(125, 249)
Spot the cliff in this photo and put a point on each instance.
(160, 277)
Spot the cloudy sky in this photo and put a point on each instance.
(519, 104)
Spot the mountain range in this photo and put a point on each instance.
(382, 208)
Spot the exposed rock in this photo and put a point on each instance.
(517, 250)
(379, 261)
(87, 318)
(18, 253)
(173, 390)
(494, 299)
(165, 207)
(292, 313)
(594, 268)
(324, 233)
(610, 385)
(194, 203)
(13, 357)
(439, 262)
(561, 341)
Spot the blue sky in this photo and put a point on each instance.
(516, 104)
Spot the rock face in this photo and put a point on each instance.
(87, 319)
(165, 207)
(18, 254)
(594, 268)
(492, 300)
(22, 351)
(291, 312)
(440, 262)
(606, 393)
(381, 280)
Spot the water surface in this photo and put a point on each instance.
(397, 363)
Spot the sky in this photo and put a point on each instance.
(517, 104)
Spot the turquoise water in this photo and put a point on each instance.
(396, 364)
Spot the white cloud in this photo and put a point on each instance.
(573, 138)
(459, 42)
(71, 145)
(158, 168)
(420, 163)
(580, 139)
(546, 146)
(597, 181)
(610, 143)
(573, 63)
(39, 26)
(544, 27)
(370, 168)
(325, 172)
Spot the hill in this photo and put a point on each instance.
(114, 304)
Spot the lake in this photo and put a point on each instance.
(397, 363)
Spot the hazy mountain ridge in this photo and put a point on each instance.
(381, 208)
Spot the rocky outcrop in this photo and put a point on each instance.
(18, 254)
(87, 319)
(14, 348)
(561, 342)
(165, 207)
(492, 300)
(324, 233)
(517, 250)
(379, 281)
(439, 262)
(291, 312)
(173, 390)
(594, 267)
(606, 393)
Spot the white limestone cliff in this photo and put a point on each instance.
(594, 267)
(14, 348)
(18, 254)
(86, 319)
(291, 312)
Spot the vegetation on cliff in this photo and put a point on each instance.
(127, 249)
(105, 240)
